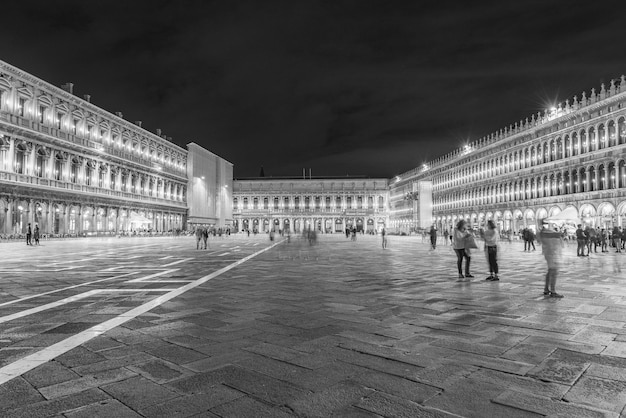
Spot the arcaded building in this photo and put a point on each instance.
(326, 205)
(572, 155)
(73, 168)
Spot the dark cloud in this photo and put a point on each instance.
(342, 87)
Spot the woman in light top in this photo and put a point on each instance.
(458, 243)
(491, 247)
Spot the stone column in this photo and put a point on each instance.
(11, 155)
(8, 216)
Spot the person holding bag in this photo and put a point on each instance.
(462, 249)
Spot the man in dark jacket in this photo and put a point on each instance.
(580, 240)
(29, 234)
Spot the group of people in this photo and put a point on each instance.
(589, 238)
(32, 235)
(551, 244)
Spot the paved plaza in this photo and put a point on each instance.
(152, 327)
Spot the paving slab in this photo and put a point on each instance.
(340, 328)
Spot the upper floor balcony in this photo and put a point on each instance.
(51, 184)
(307, 212)
(102, 149)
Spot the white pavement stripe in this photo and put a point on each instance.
(66, 288)
(177, 262)
(151, 276)
(34, 360)
(47, 306)
(71, 299)
(226, 253)
(166, 257)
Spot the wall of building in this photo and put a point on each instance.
(570, 156)
(328, 205)
(73, 168)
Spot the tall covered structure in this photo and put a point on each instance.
(210, 185)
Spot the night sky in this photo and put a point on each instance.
(360, 87)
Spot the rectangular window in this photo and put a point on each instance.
(20, 107)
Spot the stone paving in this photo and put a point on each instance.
(153, 327)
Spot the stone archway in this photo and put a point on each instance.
(607, 215)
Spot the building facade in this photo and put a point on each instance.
(73, 168)
(572, 155)
(326, 205)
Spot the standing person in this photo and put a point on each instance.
(205, 237)
(588, 239)
(29, 234)
(451, 236)
(603, 240)
(36, 234)
(622, 234)
(551, 247)
(580, 240)
(460, 233)
(526, 240)
(597, 240)
(617, 236)
(199, 232)
(591, 239)
(433, 237)
(445, 236)
(531, 239)
(384, 234)
(491, 247)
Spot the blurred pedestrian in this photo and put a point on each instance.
(604, 237)
(531, 239)
(551, 246)
(617, 236)
(526, 240)
(36, 234)
(433, 237)
(580, 240)
(384, 235)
